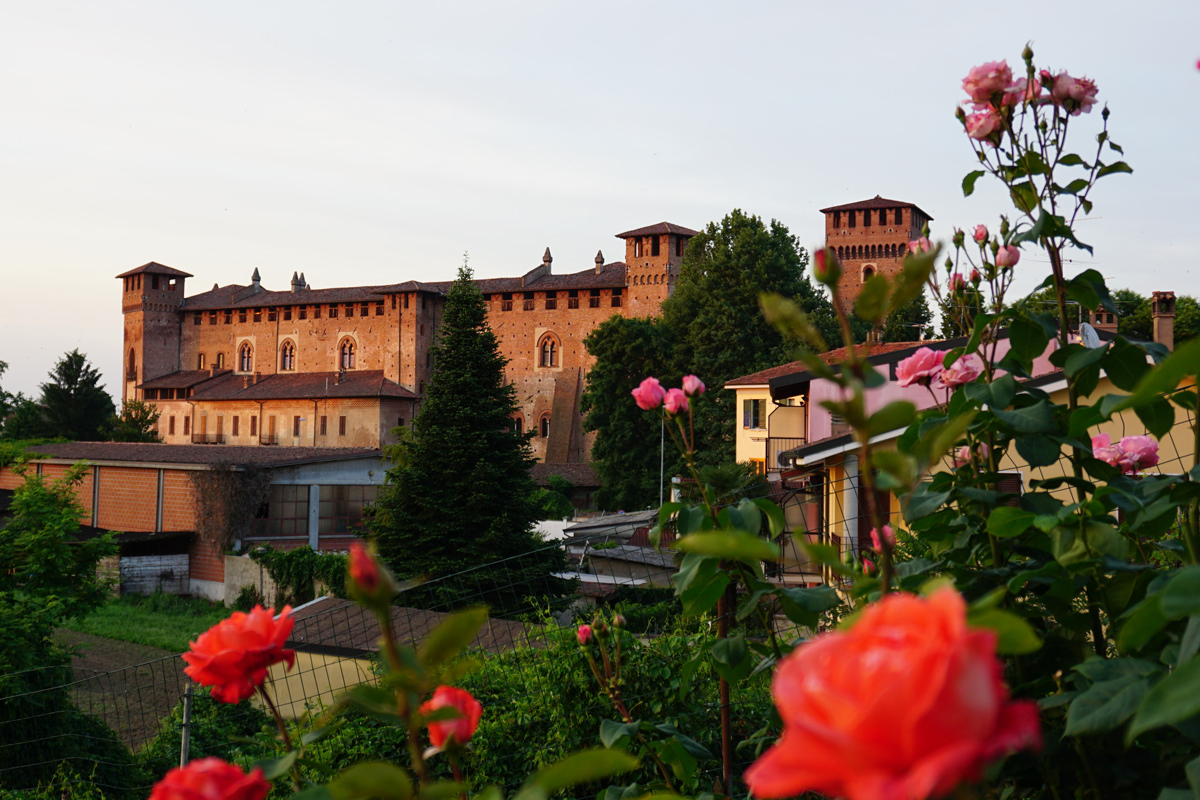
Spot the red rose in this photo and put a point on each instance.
(210, 779)
(908, 703)
(363, 570)
(233, 656)
(460, 729)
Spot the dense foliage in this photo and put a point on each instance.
(74, 403)
(135, 423)
(298, 572)
(460, 494)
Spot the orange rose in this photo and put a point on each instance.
(233, 656)
(906, 704)
(462, 728)
(210, 779)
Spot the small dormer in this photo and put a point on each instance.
(662, 244)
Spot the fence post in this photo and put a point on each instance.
(186, 736)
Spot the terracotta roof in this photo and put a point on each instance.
(155, 268)
(181, 380)
(662, 227)
(237, 296)
(198, 453)
(284, 386)
(831, 357)
(341, 626)
(580, 475)
(874, 202)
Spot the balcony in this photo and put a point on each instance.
(268, 439)
(779, 445)
(208, 438)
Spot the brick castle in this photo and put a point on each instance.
(343, 367)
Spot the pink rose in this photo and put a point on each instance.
(1008, 255)
(868, 566)
(986, 81)
(921, 368)
(983, 125)
(957, 284)
(583, 633)
(975, 278)
(981, 234)
(879, 538)
(964, 456)
(908, 703)
(919, 245)
(1137, 453)
(1021, 91)
(676, 402)
(1076, 95)
(692, 385)
(1104, 450)
(966, 369)
(649, 394)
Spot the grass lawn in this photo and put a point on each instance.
(159, 620)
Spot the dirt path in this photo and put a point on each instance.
(131, 687)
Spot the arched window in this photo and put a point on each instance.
(867, 273)
(287, 357)
(544, 426)
(220, 361)
(346, 355)
(201, 361)
(518, 424)
(548, 354)
(246, 358)
(132, 375)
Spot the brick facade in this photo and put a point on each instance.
(245, 365)
(871, 237)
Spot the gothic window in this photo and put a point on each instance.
(201, 361)
(544, 426)
(246, 358)
(287, 357)
(867, 273)
(518, 424)
(346, 355)
(548, 354)
(132, 375)
(220, 361)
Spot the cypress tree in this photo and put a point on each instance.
(460, 493)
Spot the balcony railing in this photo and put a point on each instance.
(208, 438)
(267, 438)
(778, 446)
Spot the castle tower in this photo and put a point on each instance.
(652, 258)
(150, 300)
(870, 237)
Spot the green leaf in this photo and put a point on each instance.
(1008, 521)
(1165, 377)
(804, 606)
(1181, 597)
(1074, 187)
(616, 734)
(1038, 451)
(1125, 365)
(1037, 418)
(1024, 196)
(738, 545)
(1190, 643)
(923, 501)
(1099, 670)
(1146, 621)
(786, 316)
(871, 304)
(1173, 699)
(775, 519)
(1072, 160)
(1015, 636)
(375, 779)
(1109, 169)
(731, 658)
(1157, 416)
(449, 638)
(1028, 338)
(582, 767)
(1192, 770)
(441, 790)
(1105, 706)
(968, 182)
(896, 414)
(699, 583)
(274, 768)
(313, 793)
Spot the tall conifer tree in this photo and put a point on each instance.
(460, 493)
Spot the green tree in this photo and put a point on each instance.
(460, 494)
(76, 405)
(135, 423)
(714, 318)
(26, 420)
(626, 452)
(912, 323)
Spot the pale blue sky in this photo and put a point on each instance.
(371, 142)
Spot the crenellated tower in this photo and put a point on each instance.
(871, 237)
(150, 300)
(652, 257)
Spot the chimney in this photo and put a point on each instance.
(255, 281)
(245, 381)
(257, 377)
(1162, 312)
(295, 282)
(599, 262)
(547, 258)
(212, 371)
(1104, 320)
(303, 283)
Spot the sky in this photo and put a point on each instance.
(374, 142)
